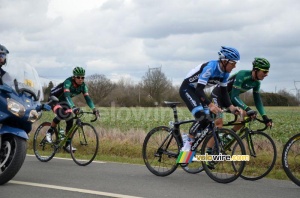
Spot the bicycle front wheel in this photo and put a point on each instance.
(160, 151)
(85, 140)
(291, 159)
(262, 150)
(221, 165)
(43, 150)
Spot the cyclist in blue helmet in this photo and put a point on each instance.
(201, 77)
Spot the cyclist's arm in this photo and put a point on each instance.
(67, 94)
(225, 96)
(201, 94)
(257, 100)
(87, 98)
(237, 90)
(224, 92)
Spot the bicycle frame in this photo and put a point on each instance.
(246, 129)
(198, 139)
(70, 132)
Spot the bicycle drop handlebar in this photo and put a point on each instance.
(80, 114)
(248, 119)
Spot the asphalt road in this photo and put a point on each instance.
(63, 178)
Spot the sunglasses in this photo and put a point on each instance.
(2, 55)
(265, 72)
(80, 77)
(232, 62)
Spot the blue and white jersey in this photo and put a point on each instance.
(208, 74)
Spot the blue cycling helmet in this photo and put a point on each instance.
(229, 53)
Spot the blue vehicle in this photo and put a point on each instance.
(20, 96)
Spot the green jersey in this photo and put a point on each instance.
(71, 89)
(241, 82)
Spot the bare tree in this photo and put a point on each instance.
(99, 87)
(155, 83)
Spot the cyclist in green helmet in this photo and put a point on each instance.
(242, 82)
(65, 91)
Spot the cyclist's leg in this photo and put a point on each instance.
(192, 101)
(216, 98)
(68, 148)
(51, 129)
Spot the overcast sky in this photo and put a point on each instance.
(123, 38)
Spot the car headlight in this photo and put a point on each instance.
(34, 115)
(15, 107)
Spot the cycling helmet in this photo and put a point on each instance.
(78, 71)
(261, 64)
(229, 53)
(3, 50)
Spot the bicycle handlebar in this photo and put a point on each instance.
(80, 114)
(248, 119)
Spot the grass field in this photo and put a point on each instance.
(122, 130)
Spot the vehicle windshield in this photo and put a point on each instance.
(25, 75)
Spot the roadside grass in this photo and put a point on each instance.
(122, 132)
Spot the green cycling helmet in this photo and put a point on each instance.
(78, 71)
(261, 64)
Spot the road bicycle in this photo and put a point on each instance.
(291, 159)
(83, 136)
(161, 150)
(259, 145)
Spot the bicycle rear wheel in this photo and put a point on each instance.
(262, 151)
(43, 150)
(227, 167)
(160, 151)
(85, 140)
(291, 159)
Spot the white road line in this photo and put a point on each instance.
(72, 189)
(100, 162)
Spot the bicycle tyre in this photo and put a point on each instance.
(43, 150)
(266, 153)
(224, 171)
(161, 161)
(291, 159)
(85, 140)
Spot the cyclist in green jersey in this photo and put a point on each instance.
(65, 91)
(241, 82)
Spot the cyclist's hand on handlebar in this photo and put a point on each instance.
(76, 110)
(251, 113)
(267, 121)
(214, 108)
(96, 112)
(235, 110)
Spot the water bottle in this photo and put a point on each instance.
(61, 134)
(184, 138)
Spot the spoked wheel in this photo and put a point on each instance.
(160, 151)
(291, 159)
(12, 156)
(223, 167)
(43, 150)
(85, 140)
(262, 151)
